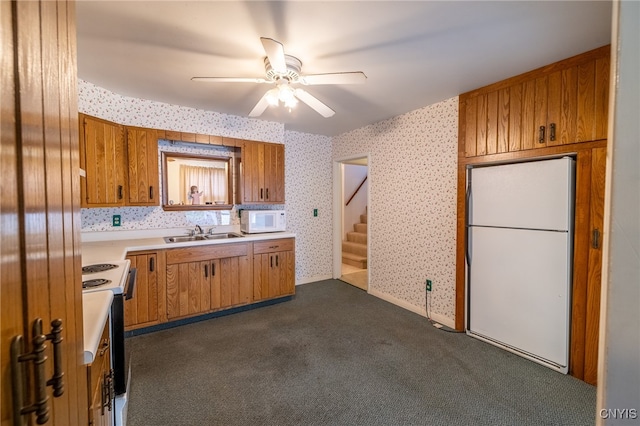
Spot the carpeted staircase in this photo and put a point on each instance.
(354, 249)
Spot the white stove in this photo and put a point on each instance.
(105, 276)
(115, 277)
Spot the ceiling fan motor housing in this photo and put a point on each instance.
(294, 66)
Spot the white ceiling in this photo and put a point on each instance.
(414, 53)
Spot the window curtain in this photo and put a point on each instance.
(212, 182)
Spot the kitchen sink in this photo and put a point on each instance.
(201, 237)
(224, 235)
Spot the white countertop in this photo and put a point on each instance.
(100, 247)
(96, 307)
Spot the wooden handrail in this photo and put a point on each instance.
(356, 191)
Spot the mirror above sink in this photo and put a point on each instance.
(196, 182)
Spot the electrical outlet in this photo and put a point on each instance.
(429, 283)
(116, 220)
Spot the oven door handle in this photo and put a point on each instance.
(133, 272)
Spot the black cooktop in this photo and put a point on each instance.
(95, 283)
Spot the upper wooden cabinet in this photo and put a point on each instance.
(562, 103)
(262, 173)
(102, 156)
(142, 155)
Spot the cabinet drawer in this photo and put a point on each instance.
(271, 246)
(102, 356)
(206, 252)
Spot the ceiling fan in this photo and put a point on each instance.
(284, 71)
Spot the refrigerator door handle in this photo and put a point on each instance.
(467, 219)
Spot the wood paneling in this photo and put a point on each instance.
(596, 220)
(40, 269)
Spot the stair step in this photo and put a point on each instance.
(357, 237)
(355, 248)
(354, 260)
(363, 218)
(360, 227)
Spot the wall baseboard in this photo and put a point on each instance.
(307, 280)
(415, 309)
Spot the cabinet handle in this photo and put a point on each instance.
(271, 260)
(151, 192)
(206, 271)
(261, 193)
(213, 269)
(267, 193)
(595, 241)
(38, 357)
(552, 131)
(152, 264)
(120, 192)
(104, 347)
(276, 260)
(541, 135)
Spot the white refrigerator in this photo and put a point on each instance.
(519, 258)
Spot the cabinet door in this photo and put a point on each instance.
(142, 309)
(103, 159)
(273, 269)
(274, 173)
(235, 281)
(188, 289)
(142, 154)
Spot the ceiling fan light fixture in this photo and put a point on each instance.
(273, 96)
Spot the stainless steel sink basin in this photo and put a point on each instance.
(225, 235)
(185, 238)
(202, 237)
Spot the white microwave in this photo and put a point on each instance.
(259, 221)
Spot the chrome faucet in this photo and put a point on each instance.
(199, 229)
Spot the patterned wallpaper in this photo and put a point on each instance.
(412, 172)
(412, 211)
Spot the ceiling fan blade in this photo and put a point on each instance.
(314, 103)
(262, 104)
(356, 77)
(275, 53)
(229, 80)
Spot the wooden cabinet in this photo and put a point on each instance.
(262, 173)
(200, 279)
(100, 384)
(143, 309)
(273, 269)
(143, 173)
(102, 156)
(562, 103)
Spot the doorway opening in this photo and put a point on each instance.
(351, 239)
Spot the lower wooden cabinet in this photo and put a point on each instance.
(273, 269)
(205, 278)
(185, 282)
(143, 309)
(100, 382)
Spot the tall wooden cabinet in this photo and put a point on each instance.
(262, 173)
(40, 266)
(102, 157)
(556, 110)
(100, 381)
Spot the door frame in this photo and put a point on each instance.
(338, 211)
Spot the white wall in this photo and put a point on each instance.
(412, 212)
(619, 372)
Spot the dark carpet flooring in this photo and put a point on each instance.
(336, 356)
